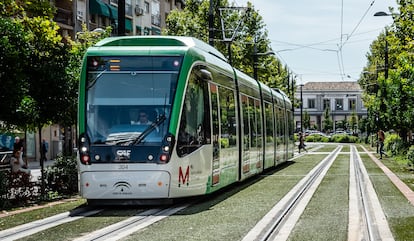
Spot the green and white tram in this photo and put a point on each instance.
(209, 124)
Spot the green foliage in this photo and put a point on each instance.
(20, 188)
(306, 120)
(327, 123)
(388, 92)
(21, 8)
(317, 138)
(343, 138)
(62, 176)
(394, 145)
(193, 21)
(14, 52)
(4, 201)
(224, 142)
(410, 157)
(16, 189)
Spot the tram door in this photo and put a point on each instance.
(224, 131)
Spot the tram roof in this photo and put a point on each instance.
(159, 41)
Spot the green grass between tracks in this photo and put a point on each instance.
(326, 216)
(83, 226)
(36, 214)
(230, 215)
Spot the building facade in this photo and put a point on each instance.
(142, 17)
(342, 99)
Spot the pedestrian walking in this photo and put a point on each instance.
(381, 139)
(301, 142)
(44, 149)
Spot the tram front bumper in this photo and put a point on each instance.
(125, 184)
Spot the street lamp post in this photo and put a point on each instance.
(378, 117)
(301, 109)
(382, 14)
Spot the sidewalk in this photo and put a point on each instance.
(34, 167)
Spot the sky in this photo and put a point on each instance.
(307, 35)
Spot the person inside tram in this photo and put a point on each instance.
(143, 118)
(140, 118)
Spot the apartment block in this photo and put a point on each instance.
(142, 17)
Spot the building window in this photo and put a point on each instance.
(352, 104)
(311, 103)
(339, 104)
(146, 7)
(327, 104)
(128, 7)
(155, 13)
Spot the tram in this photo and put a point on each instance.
(164, 117)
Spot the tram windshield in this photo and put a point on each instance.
(129, 98)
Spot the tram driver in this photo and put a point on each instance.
(142, 119)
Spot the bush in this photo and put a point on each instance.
(62, 176)
(410, 157)
(4, 202)
(317, 138)
(394, 145)
(16, 189)
(343, 138)
(224, 142)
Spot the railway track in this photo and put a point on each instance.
(367, 220)
(115, 231)
(28, 229)
(278, 223)
(126, 227)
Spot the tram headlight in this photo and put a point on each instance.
(164, 158)
(84, 150)
(85, 159)
(166, 148)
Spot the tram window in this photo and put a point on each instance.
(246, 127)
(269, 122)
(194, 128)
(216, 121)
(228, 118)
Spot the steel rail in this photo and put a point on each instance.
(126, 227)
(369, 229)
(270, 232)
(31, 228)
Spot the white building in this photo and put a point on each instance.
(341, 98)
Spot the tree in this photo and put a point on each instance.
(353, 122)
(306, 120)
(389, 97)
(193, 21)
(327, 123)
(14, 49)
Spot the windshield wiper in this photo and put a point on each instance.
(93, 81)
(149, 129)
(124, 138)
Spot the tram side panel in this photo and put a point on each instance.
(211, 163)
